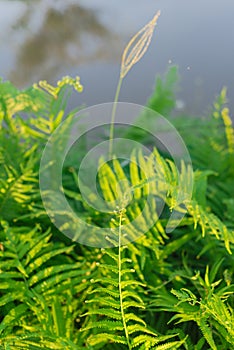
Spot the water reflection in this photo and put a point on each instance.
(45, 39)
(68, 38)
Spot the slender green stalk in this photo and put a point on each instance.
(120, 281)
(133, 52)
(113, 113)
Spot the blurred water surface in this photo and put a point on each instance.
(45, 39)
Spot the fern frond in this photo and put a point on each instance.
(35, 288)
(207, 333)
(96, 339)
(163, 99)
(116, 297)
(149, 341)
(19, 187)
(229, 130)
(212, 224)
(171, 345)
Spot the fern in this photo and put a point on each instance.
(120, 291)
(36, 284)
(210, 312)
(153, 277)
(163, 98)
(163, 182)
(39, 99)
(19, 185)
(115, 314)
(212, 224)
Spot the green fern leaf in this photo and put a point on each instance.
(207, 332)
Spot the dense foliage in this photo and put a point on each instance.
(163, 291)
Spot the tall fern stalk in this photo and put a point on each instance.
(113, 113)
(133, 52)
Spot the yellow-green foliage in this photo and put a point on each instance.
(55, 294)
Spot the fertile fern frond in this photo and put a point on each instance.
(13, 101)
(216, 137)
(42, 100)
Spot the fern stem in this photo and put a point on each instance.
(113, 113)
(120, 281)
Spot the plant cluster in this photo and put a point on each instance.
(163, 291)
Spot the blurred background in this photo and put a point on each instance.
(46, 39)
